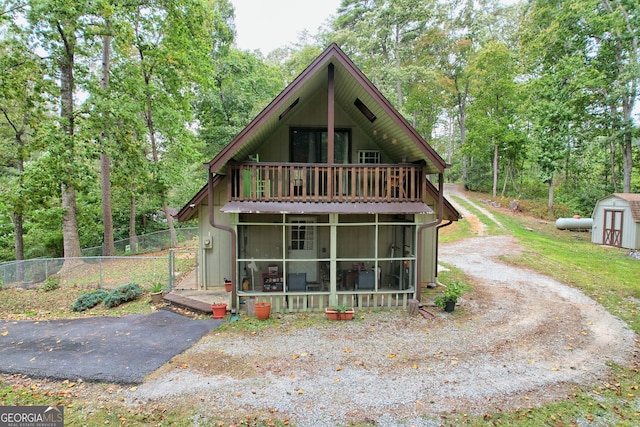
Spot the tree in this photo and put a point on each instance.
(492, 124)
(21, 108)
(57, 25)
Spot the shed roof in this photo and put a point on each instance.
(634, 203)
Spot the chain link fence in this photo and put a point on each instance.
(152, 242)
(111, 272)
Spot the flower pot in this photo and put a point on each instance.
(219, 310)
(263, 310)
(227, 286)
(156, 297)
(449, 306)
(339, 315)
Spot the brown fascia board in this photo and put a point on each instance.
(189, 210)
(454, 215)
(389, 109)
(332, 51)
(225, 154)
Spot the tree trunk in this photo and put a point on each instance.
(105, 163)
(133, 237)
(154, 154)
(550, 201)
(70, 236)
(495, 170)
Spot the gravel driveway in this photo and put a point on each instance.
(518, 339)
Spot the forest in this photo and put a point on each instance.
(109, 108)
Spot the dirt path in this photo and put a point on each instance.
(519, 339)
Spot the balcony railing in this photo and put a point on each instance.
(312, 182)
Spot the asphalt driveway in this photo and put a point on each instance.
(110, 349)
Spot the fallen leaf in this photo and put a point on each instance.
(339, 368)
(335, 380)
(304, 354)
(347, 350)
(392, 355)
(295, 356)
(532, 361)
(134, 388)
(5, 333)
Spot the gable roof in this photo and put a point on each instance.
(389, 129)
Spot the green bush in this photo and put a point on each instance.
(89, 300)
(51, 283)
(122, 294)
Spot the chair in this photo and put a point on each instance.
(296, 282)
(366, 280)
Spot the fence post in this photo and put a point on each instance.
(100, 283)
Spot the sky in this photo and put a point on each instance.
(270, 24)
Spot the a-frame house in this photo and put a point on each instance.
(329, 196)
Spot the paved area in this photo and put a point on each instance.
(111, 349)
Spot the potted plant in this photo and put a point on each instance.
(227, 285)
(449, 298)
(339, 312)
(156, 293)
(263, 310)
(219, 310)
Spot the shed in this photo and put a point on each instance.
(616, 221)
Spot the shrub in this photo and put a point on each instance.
(122, 294)
(89, 300)
(51, 283)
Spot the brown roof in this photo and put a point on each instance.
(634, 203)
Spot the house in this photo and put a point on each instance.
(325, 198)
(616, 221)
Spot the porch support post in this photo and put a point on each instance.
(330, 127)
(333, 264)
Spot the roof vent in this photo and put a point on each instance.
(289, 108)
(364, 110)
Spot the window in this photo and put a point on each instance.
(310, 145)
(368, 156)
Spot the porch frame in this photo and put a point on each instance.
(315, 300)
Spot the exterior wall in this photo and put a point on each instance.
(216, 259)
(630, 229)
(314, 114)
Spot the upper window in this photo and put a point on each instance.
(310, 145)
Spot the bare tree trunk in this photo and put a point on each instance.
(550, 201)
(495, 170)
(612, 160)
(70, 236)
(154, 154)
(105, 163)
(133, 237)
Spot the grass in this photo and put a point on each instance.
(606, 274)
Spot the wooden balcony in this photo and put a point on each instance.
(313, 182)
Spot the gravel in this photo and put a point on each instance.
(519, 339)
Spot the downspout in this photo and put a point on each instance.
(437, 221)
(231, 230)
(438, 246)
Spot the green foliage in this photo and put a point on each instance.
(122, 294)
(157, 287)
(89, 300)
(451, 293)
(51, 284)
(340, 308)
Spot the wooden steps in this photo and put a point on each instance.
(188, 303)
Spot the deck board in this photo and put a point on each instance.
(188, 303)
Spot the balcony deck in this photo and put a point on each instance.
(314, 182)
